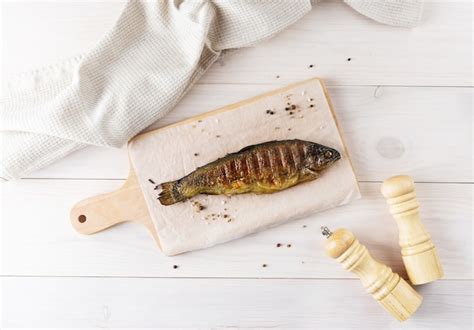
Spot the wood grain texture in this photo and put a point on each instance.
(418, 250)
(422, 131)
(222, 303)
(39, 240)
(380, 125)
(436, 53)
(385, 286)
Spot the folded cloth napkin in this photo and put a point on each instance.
(155, 52)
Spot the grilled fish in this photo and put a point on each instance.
(262, 169)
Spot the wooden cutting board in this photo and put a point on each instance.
(173, 151)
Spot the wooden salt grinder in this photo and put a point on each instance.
(418, 251)
(387, 287)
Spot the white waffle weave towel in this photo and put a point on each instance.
(140, 70)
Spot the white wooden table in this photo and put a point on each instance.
(404, 101)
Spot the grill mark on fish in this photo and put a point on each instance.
(244, 169)
(274, 168)
(249, 163)
(263, 168)
(264, 161)
(283, 159)
(292, 158)
(222, 175)
(233, 170)
(257, 163)
(238, 167)
(277, 158)
(227, 172)
(296, 150)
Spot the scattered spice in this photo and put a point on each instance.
(310, 66)
(293, 107)
(277, 127)
(151, 181)
(226, 215)
(349, 59)
(311, 105)
(291, 112)
(198, 207)
(230, 220)
(218, 136)
(264, 265)
(289, 129)
(277, 77)
(270, 112)
(288, 103)
(304, 226)
(287, 108)
(196, 154)
(278, 244)
(310, 99)
(199, 121)
(175, 266)
(288, 245)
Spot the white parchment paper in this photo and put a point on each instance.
(169, 154)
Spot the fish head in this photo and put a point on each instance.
(321, 157)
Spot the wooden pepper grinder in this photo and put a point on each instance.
(387, 287)
(418, 251)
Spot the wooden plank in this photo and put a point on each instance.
(388, 130)
(437, 53)
(222, 303)
(332, 33)
(38, 239)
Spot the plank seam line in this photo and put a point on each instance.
(207, 277)
(334, 85)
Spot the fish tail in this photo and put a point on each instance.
(170, 193)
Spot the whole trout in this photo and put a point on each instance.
(262, 169)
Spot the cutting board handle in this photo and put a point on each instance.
(100, 212)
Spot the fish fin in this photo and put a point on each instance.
(170, 193)
(257, 145)
(310, 174)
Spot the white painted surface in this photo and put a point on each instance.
(222, 303)
(55, 278)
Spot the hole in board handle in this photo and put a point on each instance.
(82, 218)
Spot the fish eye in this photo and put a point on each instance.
(328, 154)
